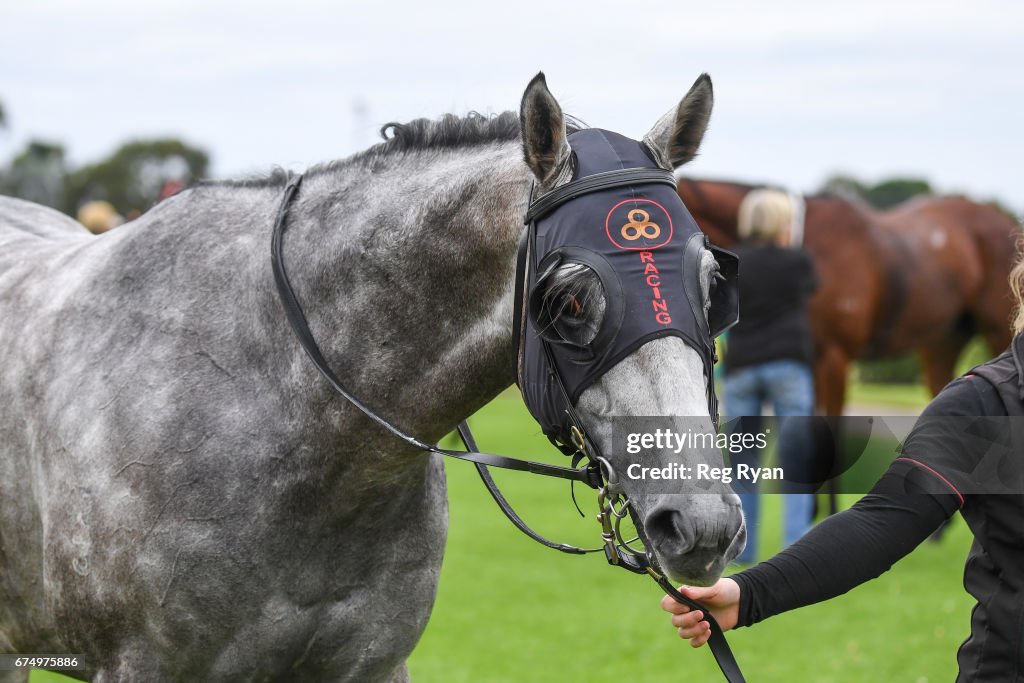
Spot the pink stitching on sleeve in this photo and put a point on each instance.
(944, 480)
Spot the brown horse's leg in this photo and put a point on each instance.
(939, 360)
(830, 382)
(830, 375)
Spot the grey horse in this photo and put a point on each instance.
(183, 498)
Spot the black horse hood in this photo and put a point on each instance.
(643, 245)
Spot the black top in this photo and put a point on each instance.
(775, 284)
(936, 474)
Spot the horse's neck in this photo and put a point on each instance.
(404, 271)
(406, 278)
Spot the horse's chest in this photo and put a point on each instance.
(346, 608)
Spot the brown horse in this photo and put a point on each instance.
(926, 275)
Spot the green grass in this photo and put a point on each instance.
(511, 610)
(913, 397)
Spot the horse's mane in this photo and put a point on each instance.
(447, 132)
(452, 131)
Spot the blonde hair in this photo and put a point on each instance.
(765, 215)
(99, 216)
(1017, 288)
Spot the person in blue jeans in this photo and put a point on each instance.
(769, 355)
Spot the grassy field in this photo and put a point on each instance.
(912, 397)
(511, 610)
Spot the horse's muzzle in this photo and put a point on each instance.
(696, 541)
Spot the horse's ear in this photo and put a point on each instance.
(543, 129)
(678, 133)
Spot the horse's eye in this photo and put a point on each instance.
(573, 305)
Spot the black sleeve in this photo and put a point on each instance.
(849, 548)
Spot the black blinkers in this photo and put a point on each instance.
(725, 293)
(621, 220)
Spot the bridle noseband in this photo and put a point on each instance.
(595, 471)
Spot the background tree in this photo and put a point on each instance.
(840, 185)
(893, 191)
(882, 195)
(37, 174)
(133, 177)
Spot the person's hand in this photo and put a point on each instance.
(723, 601)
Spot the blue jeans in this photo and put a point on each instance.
(789, 386)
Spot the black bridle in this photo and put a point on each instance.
(596, 472)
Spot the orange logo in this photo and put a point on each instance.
(640, 225)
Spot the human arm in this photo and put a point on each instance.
(845, 550)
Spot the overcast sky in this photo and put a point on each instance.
(802, 89)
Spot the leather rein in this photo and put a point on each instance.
(596, 473)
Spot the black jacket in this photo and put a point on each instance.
(775, 284)
(994, 574)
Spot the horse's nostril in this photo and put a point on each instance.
(669, 532)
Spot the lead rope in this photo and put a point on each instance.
(719, 645)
